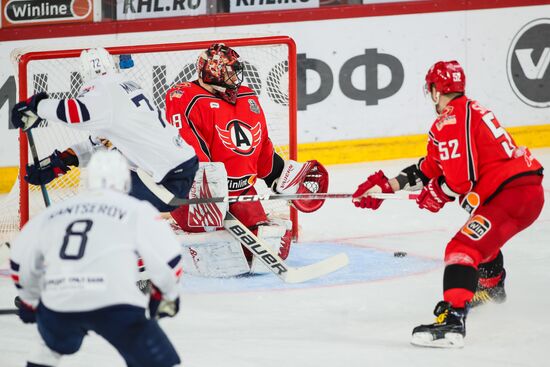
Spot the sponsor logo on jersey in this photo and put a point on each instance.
(528, 63)
(470, 202)
(476, 227)
(240, 137)
(240, 183)
(253, 106)
(214, 105)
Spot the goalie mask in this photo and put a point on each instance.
(108, 169)
(220, 67)
(96, 62)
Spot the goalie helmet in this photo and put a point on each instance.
(447, 77)
(219, 66)
(108, 169)
(96, 62)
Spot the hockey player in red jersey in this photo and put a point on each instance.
(473, 160)
(224, 121)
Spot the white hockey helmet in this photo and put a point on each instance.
(95, 62)
(108, 169)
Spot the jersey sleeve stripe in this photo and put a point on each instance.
(174, 262)
(84, 111)
(61, 111)
(470, 156)
(202, 143)
(72, 108)
(14, 266)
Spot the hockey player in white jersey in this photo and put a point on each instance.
(75, 269)
(114, 108)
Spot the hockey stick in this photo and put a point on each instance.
(167, 197)
(274, 262)
(37, 164)
(9, 311)
(271, 196)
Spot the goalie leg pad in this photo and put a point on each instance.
(210, 181)
(213, 254)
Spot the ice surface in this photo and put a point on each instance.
(361, 316)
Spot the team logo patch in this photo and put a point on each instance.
(253, 106)
(240, 137)
(476, 227)
(176, 94)
(447, 120)
(240, 183)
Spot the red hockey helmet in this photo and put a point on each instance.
(220, 67)
(447, 76)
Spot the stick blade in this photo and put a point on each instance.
(324, 267)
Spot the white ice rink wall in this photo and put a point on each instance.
(360, 77)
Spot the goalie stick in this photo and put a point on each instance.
(274, 262)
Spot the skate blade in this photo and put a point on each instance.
(451, 340)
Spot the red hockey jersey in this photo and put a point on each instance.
(474, 153)
(221, 132)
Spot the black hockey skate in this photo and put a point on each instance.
(496, 294)
(448, 330)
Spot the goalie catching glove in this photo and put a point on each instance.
(49, 168)
(24, 115)
(310, 177)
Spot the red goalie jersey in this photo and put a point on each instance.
(475, 154)
(234, 134)
(222, 132)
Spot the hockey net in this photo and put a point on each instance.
(269, 69)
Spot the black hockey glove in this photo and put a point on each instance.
(160, 307)
(49, 168)
(24, 114)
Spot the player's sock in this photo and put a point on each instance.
(490, 290)
(490, 286)
(448, 330)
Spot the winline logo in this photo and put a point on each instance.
(34, 11)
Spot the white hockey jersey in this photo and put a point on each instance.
(117, 109)
(82, 254)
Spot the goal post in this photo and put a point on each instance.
(269, 68)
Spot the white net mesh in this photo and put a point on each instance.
(265, 71)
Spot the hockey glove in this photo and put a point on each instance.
(160, 307)
(49, 168)
(27, 313)
(310, 177)
(432, 196)
(24, 115)
(375, 183)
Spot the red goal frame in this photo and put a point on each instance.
(239, 42)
